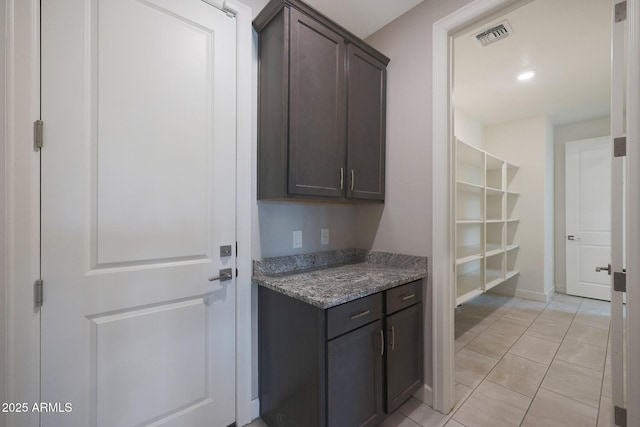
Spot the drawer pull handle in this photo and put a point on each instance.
(359, 315)
(408, 297)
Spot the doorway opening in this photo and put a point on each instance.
(517, 103)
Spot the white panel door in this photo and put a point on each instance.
(138, 195)
(588, 217)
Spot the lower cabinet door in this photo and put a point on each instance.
(354, 374)
(404, 355)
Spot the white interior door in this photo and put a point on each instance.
(588, 217)
(138, 195)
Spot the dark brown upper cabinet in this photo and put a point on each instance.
(322, 96)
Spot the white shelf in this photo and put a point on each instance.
(469, 163)
(512, 166)
(468, 253)
(468, 286)
(494, 207)
(485, 229)
(463, 185)
(468, 296)
(511, 274)
(492, 276)
(495, 168)
(510, 174)
(493, 252)
(493, 284)
(512, 230)
(469, 154)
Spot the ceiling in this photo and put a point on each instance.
(566, 42)
(361, 17)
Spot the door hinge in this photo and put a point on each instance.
(619, 281)
(37, 135)
(37, 293)
(621, 11)
(620, 416)
(620, 146)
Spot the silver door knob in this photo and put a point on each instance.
(607, 269)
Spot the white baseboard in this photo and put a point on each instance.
(561, 288)
(425, 395)
(255, 408)
(549, 294)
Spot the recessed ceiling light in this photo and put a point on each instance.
(526, 75)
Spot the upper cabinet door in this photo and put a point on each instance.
(317, 96)
(366, 125)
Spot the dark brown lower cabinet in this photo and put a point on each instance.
(354, 377)
(404, 355)
(327, 368)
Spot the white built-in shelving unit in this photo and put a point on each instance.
(486, 226)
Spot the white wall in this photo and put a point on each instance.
(468, 129)
(529, 144)
(274, 223)
(563, 134)
(404, 223)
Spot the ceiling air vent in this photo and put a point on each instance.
(493, 34)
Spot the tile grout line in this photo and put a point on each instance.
(474, 388)
(562, 341)
(550, 363)
(500, 359)
(554, 358)
(604, 377)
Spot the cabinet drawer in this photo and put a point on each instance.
(403, 296)
(346, 317)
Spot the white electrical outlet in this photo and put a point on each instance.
(297, 239)
(324, 236)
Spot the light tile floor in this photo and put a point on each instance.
(524, 363)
